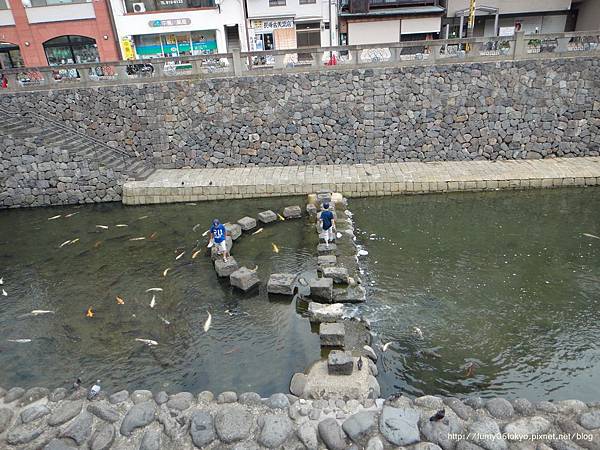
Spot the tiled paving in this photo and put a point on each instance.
(361, 180)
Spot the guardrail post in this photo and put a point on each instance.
(434, 52)
(563, 44)
(121, 72)
(84, 76)
(520, 45)
(13, 83)
(279, 61)
(316, 59)
(237, 62)
(355, 56)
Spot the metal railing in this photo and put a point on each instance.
(409, 53)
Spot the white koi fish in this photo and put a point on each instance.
(54, 217)
(39, 312)
(147, 341)
(591, 235)
(417, 331)
(141, 238)
(195, 254)
(71, 215)
(205, 233)
(195, 227)
(121, 225)
(207, 323)
(385, 346)
(19, 341)
(179, 256)
(258, 231)
(153, 301)
(103, 227)
(65, 243)
(165, 321)
(4, 293)
(154, 290)
(166, 271)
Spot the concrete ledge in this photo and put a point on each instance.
(362, 180)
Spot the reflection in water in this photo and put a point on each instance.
(253, 343)
(504, 286)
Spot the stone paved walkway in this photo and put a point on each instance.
(184, 185)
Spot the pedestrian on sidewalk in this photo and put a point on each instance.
(327, 222)
(218, 237)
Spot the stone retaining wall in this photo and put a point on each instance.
(65, 419)
(504, 110)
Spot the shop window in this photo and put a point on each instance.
(141, 6)
(307, 2)
(174, 45)
(276, 2)
(308, 34)
(71, 50)
(35, 3)
(10, 56)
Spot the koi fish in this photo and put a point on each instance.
(19, 341)
(142, 217)
(102, 227)
(97, 244)
(385, 346)
(258, 231)
(233, 350)
(154, 290)
(120, 301)
(39, 312)
(1, 281)
(141, 238)
(417, 331)
(165, 321)
(153, 236)
(275, 248)
(207, 323)
(179, 256)
(591, 235)
(147, 341)
(195, 227)
(71, 215)
(280, 217)
(65, 243)
(195, 254)
(54, 217)
(153, 301)
(121, 225)
(166, 271)
(74, 241)
(255, 269)
(90, 312)
(4, 293)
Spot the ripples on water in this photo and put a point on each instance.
(255, 343)
(505, 281)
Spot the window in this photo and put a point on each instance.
(3, 4)
(30, 3)
(308, 34)
(71, 50)
(307, 2)
(276, 2)
(10, 56)
(140, 6)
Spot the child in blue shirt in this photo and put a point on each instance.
(218, 236)
(327, 223)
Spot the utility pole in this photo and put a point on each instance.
(471, 22)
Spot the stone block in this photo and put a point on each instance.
(267, 216)
(332, 334)
(311, 209)
(325, 313)
(292, 212)
(324, 249)
(337, 274)
(281, 283)
(244, 279)
(234, 230)
(323, 197)
(326, 260)
(340, 363)
(214, 251)
(351, 294)
(224, 269)
(321, 289)
(247, 223)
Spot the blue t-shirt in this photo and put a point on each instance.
(218, 233)
(326, 218)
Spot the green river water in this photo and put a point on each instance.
(505, 283)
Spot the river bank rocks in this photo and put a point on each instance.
(247, 421)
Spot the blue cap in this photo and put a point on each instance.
(326, 205)
(216, 222)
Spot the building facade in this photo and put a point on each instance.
(178, 28)
(53, 32)
(389, 21)
(504, 17)
(291, 24)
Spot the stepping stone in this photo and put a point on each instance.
(247, 223)
(325, 313)
(323, 249)
(311, 209)
(244, 279)
(326, 260)
(267, 216)
(355, 294)
(332, 334)
(292, 212)
(214, 252)
(340, 363)
(321, 289)
(338, 274)
(234, 229)
(224, 269)
(281, 283)
(323, 197)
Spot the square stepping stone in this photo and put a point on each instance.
(244, 279)
(338, 274)
(332, 334)
(323, 197)
(326, 260)
(351, 294)
(325, 313)
(234, 229)
(281, 283)
(292, 212)
(340, 363)
(323, 249)
(311, 209)
(224, 269)
(214, 250)
(267, 216)
(247, 223)
(321, 289)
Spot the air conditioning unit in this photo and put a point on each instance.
(139, 7)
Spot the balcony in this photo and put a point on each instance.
(408, 7)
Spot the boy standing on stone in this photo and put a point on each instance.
(218, 237)
(327, 223)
